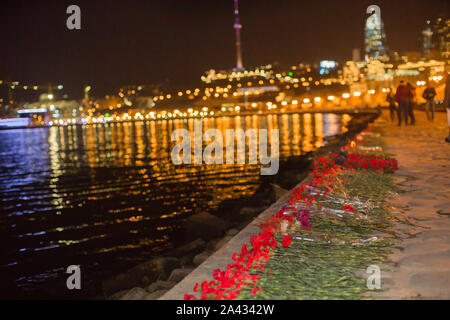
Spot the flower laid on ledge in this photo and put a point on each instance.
(248, 265)
(303, 217)
(286, 241)
(370, 162)
(347, 207)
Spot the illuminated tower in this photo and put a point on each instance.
(238, 26)
(375, 39)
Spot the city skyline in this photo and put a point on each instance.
(183, 39)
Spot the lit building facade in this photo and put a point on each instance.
(436, 39)
(375, 38)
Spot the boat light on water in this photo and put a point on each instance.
(41, 110)
(15, 122)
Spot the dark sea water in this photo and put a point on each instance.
(108, 196)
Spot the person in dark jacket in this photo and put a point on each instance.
(447, 104)
(412, 103)
(428, 94)
(392, 107)
(403, 95)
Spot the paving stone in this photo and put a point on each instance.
(438, 281)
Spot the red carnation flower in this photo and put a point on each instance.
(255, 290)
(286, 241)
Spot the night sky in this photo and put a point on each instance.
(138, 41)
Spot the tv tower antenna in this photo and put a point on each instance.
(238, 26)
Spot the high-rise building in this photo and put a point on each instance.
(375, 37)
(436, 38)
(427, 34)
(237, 26)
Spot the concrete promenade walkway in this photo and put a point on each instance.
(423, 258)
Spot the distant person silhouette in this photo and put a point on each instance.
(412, 103)
(428, 94)
(403, 95)
(392, 107)
(447, 105)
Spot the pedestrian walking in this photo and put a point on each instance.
(412, 103)
(447, 104)
(392, 107)
(403, 95)
(428, 94)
